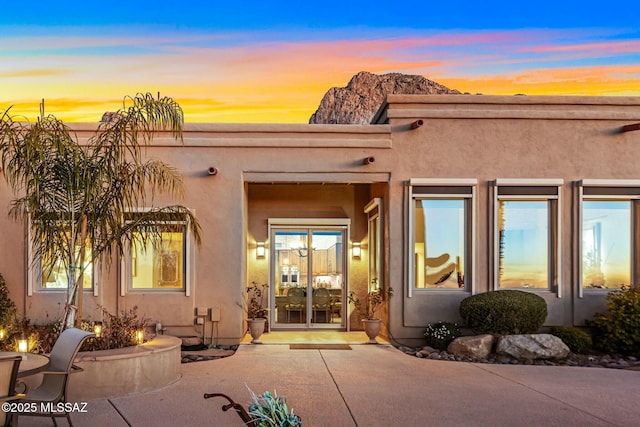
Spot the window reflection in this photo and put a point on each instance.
(606, 244)
(440, 243)
(523, 244)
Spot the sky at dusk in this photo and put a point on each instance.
(273, 61)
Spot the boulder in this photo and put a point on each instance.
(478, 346)
(358, 102)
(532, 346)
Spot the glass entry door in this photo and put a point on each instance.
(308, 270)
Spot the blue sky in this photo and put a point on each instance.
(273, 61)
(245, 15)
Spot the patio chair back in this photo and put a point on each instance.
(61, 359)
(56, 375)
(8, 374)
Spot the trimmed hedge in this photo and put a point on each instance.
(576, 339)
(504, 312)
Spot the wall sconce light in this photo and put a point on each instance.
(97, 329)
(260, 250)
(212, 171)
(23, 345)
(356, 251)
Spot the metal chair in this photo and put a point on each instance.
(53, 389)
(8, 375)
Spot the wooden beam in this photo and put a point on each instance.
(629, 128)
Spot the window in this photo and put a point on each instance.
(373, 211)
(52, 274)
(441, 228)
(163, 266)
(526, 234)
(608, 233)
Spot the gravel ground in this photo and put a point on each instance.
(595, 361)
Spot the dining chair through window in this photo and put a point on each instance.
(322, 303)
(295, 302)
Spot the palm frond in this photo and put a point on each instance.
(74, 195)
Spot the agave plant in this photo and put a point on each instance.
(271, 410)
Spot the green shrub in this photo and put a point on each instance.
(504, 312)
(7, 307)
(576, 339)
(619, 331)
(118, 331)
(439, 335)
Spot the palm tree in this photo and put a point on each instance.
(77, 197)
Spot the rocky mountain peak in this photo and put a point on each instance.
(360, 99)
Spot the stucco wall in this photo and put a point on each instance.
(505, 137)
(318, 170)
(242, 153)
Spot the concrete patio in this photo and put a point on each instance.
(378, 386)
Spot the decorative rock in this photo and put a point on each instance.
(573, 359)
(532, 346)
(478, 346)
(424, 352)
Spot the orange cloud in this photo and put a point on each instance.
(588, 81)
(230, 78)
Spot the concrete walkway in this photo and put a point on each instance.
(378, 386)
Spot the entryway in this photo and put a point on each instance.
(308, 273)
(313, 337)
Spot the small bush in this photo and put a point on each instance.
(504, 312)
(7, 306)
(439, 335)
(576, 339)
(619, 331)
(118, 331)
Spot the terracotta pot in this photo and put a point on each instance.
(256, 329)
(372, 329)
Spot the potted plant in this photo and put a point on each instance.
(265, 410)
(367, 310)
(256, 310)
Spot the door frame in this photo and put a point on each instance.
(311, 224)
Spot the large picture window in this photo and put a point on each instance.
(608, 233)
(442, 236)
(160, 267)
(527, 230)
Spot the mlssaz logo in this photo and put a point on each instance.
(63, 407)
